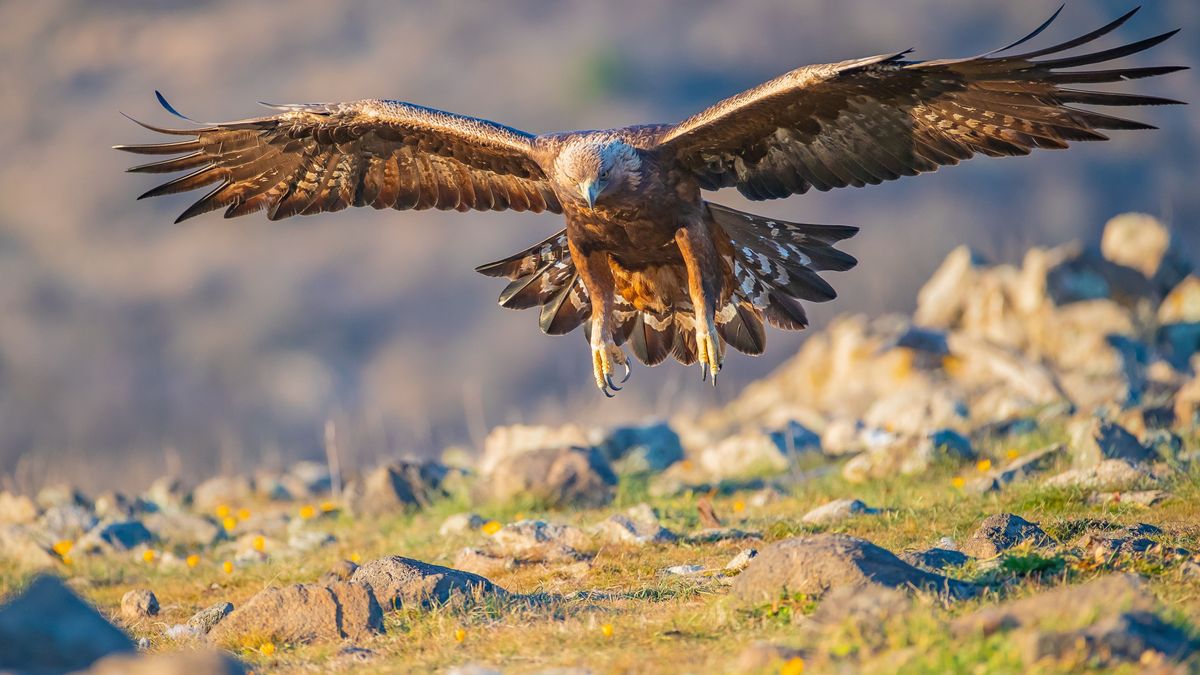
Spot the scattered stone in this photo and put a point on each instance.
(183, 529)
(181, 633)
(626, 530)
(741, 560)
(557, 477)
(461, 523)
(397, 487)
(748, 453)
(138, 604)
(303, 613)
(307, 478)
(536, 541)
(122, 536)
(480, 562)
(16, 509)
(61, 494)
(116, 506)
(1000, 532)
(1139, 497)
(210, 616)
(1105, 545)
(309, 540)
(399, 582)
(819, 563)
(796, 439)
(714, 534)
(168, 493)
(1020, 469)
(1125, 625)
(837, 510)
(865, 613)
(504, 443)
(935, 559)
(1182, 305)
(684, 570)
(201, 662)
(21, 544)
(640, 449)
(764, 657)
(842, 436)
(47, 628)
(1094, 441)
(342, 570)
(1137, 240)
(222, 491)
(1110, 474)
(67, 520)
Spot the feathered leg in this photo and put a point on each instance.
(597, 278)
(703, 268)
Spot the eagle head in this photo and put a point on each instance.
(593, 170)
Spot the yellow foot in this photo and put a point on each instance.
(709, 351)
(605, 357)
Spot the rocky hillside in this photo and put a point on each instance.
(1007, 481)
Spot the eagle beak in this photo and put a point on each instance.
(589, 190)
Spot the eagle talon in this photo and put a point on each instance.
(605, 356)
(609, 381)
(708, 353)
(628, 372)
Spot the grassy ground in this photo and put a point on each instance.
(639, 620)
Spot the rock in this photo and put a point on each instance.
(1019, 469)
(866, 613)
(1104, 545)
(480, 562)
(914, 409)
(1139, 497)
(23, 545)
(47, 628)
(505, 443)
(117, 506)
(121, 536)
(1182, 304)
(683, 570)
(640, 527)
(557, 477)
(1123, 623)
(16, 509)
(746, 454)
(796, 439)
(67, 521)
(210, 616)
(309, 540)
(61, 494)
(398, 487)
(819, 563)
(1178, 343)
(763, 657)
(461, 523)
(841, 437)
(168, 493)
(307, 478)
(202, 662)
(837, 510)
(939, 445)
(399, 582)
(1000, 532)
(649, 448)
(1110, 474)
(180, 633)
(741, 560)
(1136, 240)
(183, 529)
(1094, 440)
(303, 613)
(935, 559)
(342, 570)
(138, 604)
(941, 301)
(222, 491)
(536, 541)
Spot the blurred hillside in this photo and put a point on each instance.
(233, 341)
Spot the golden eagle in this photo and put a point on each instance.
(645, 260)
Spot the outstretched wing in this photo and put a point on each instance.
(875, 119)
(311, 158)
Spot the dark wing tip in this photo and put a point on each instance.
(162, 100)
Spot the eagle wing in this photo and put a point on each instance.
(312, 158)
(875, 119)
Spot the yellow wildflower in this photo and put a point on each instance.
(243, 514)
(491, 527)
(227, 566)
(793, 666)
(229, 523)
(355, 558)
(739, 506)
(984, 465)
(267, 648)
(460, 635)
(259, 542)
(958, 482)
(148, 555)
(327, 507)
(223, 511)
(607, 630)
(193, 560)
(63, 546)
(308, 512)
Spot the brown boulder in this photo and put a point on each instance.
(303, 613)
(399, 582)
(1002, 531)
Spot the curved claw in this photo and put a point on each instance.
(608, 379)
(704, 372)
(628, 372)
(607, 393)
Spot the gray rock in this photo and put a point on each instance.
(1000, 532)
(819, 563)
(683, 570)
(307, 478)
(763, 657)
(168, 493)
(481, 562)
(67, 520)
(938, 445)
(625, 530)
(47, 628)
(118, 506)
(210, 616)
(138, 604)
(1093, 441)
(935, 559)
(222, 490)
(1139, 497)
(796, 439)
(1020, 469)
(16, 509)
(309, 540)
(740, 561)
(461, 523)
(837, 510)
(640, 449)
(122, 536)
(536, 541)
(342, 570)
(200, 662)
(558, 477)
(183, 529)
(304, 613)
(24, 545)
(1110, 474)
(404, 582)
(61, 494)
(398, 487)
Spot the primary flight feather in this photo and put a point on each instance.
(645, 261)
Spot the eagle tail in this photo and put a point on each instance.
(544, 275)
(774, 266)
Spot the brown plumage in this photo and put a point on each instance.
(644, 261)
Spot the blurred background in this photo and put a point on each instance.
(130, 347)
